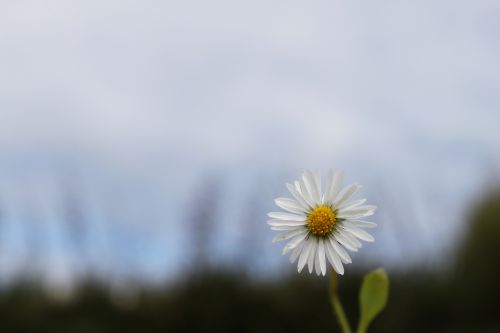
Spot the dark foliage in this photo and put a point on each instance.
(463, 299)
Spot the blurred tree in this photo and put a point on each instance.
(74, 222)
(463, 299)
(35, 230)
(477, 274)
(248, 255)
(2, 226)
(203, 211)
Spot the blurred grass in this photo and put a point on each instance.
(463, 298)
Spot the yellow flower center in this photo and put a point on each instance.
(321, 220)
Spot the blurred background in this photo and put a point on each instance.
(143, 142)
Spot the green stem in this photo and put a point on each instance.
(361, 329)
(337, 305)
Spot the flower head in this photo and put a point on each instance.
(321, 225)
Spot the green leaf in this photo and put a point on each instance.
(372, 297)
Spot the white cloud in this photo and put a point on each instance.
(156, 92)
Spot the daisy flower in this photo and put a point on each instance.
(321, 224)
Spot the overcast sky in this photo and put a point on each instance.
(145, 98)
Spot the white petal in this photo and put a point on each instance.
(321, 256)
(286, 216)
(279, 223)
(356, 212)
(286, 227)
(299, 184)
(334, 259)
(345, 241)
(351, 238)
(304, 255)
(360, 224)
(298, 196)
(290, 205)
(351, 204)
(294, 242)
(328, 184)
(344, 256)
(296, 252)
(317, 267)
(312, 254)
(288, 234)
(360, 233)
(311, 186)
(332, 186)
(353, 216)
(345, 194)
(317, 180)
